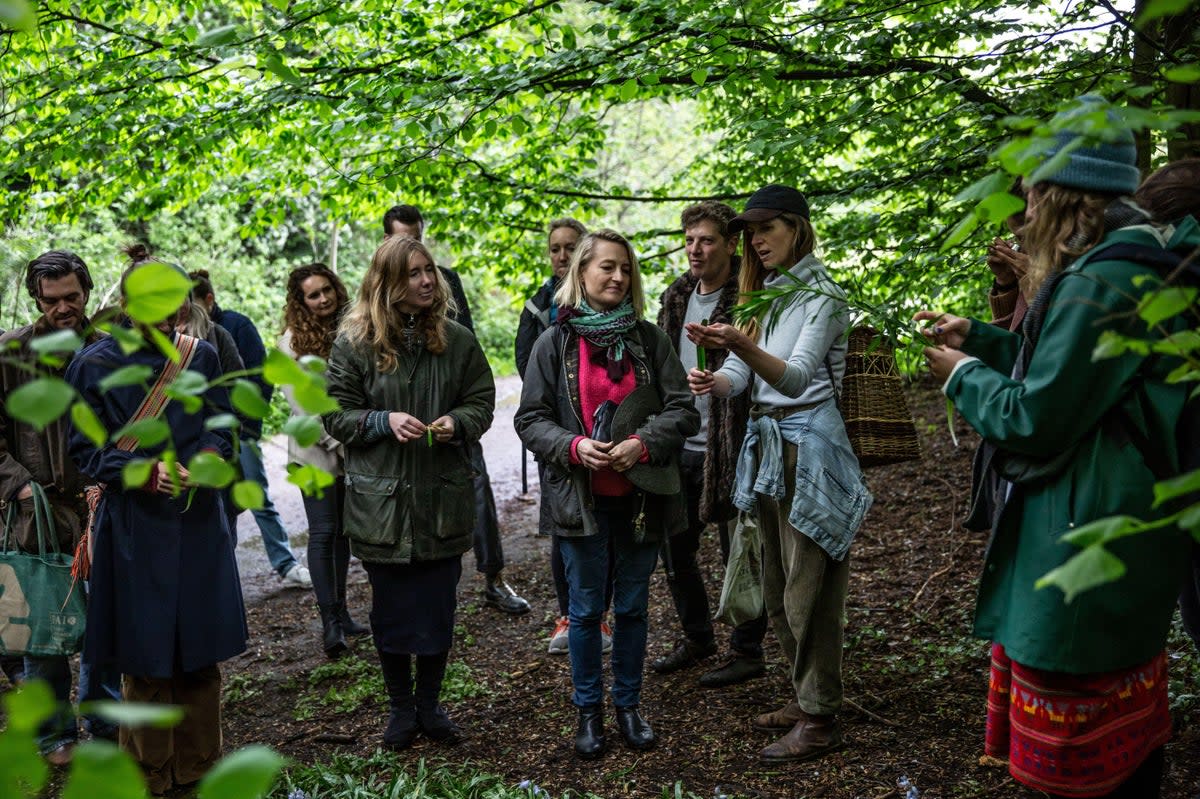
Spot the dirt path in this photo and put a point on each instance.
(914, 677)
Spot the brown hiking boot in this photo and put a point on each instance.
(780, 720)
(812, 737)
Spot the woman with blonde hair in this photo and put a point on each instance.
(316, 300)
(1077, 700)
(414, 388)
(600, 353)
(797, 476)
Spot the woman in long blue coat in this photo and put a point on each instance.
(165, 603)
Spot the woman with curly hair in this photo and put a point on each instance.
(415, 390)
(315, 302)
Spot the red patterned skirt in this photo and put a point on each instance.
(1071, 734)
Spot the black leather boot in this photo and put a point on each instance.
(431, 716)
(499, 594)
(402, 718)
(349, 625)
(333, 641)
(635, 729)
(589, 737)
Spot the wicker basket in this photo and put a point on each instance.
(878, 421)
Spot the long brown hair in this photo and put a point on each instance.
(1172, 192)
(375, 320)
(753, 273)
(1066, 223)
(312, 334)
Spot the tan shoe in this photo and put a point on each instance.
(812, 737)
(780, 720)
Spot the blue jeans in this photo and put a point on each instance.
(586, 559)
(274, 537)
(60, 729)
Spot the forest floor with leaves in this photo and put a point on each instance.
(915, 680)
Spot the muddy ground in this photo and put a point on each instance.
(915, 680)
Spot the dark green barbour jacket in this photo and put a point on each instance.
(410, 502)
(1065, 404)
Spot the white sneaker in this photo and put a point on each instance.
(297, 577)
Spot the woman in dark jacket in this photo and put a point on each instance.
(165, 601)
(316, 299)
(414, 387)
(598, 353)
(539, 313)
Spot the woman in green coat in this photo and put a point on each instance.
(414, 388)
(1078, 692)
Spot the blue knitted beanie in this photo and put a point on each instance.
(1105, 160)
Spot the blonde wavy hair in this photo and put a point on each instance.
(753, 273)
(376, 321)
(570, 292)
(1066, 223)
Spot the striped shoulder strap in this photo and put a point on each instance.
(156, 399)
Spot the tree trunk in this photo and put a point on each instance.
(1180, 39)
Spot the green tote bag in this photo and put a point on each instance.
(42, 611)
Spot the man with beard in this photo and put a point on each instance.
(60, 284)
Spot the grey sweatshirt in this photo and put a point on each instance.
(812, 326)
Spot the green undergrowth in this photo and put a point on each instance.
(383, 775)
(347, 684)
(1183, 672)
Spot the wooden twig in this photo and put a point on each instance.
(868, 713)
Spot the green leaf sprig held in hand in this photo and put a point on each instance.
(701, 353)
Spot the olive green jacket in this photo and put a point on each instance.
(410, 502)
(1067, 403)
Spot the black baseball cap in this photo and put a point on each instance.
(769, 202)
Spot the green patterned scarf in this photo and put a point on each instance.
(606, 330)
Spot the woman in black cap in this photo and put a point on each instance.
(797, 476)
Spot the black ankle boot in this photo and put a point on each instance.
(402, 719)
(635, 729)
(434, 722)
(589, 737)
(349, 625)
(333, 641)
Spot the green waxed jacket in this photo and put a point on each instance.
(1066, 403)
(410, 502)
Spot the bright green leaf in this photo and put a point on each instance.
(147, 432)
(248, 400)
(101, 768)
(154, 291)
(59, 341)
(86, 422)
(39, 402)
(188, 382)
(1167, 490)
(699, 76)
(209, 469)
(1155, 9)
(246, 774)
(984, 187)
(274, 64)
(999, 206)
(629, 90)
(248, 495)
(222, 421)
(29, 705)
(136, 473)
(1102, 531)
(305, 429)
(1187, 73)
(1165, 303)
(129, 339)
(18, 15)
(216, 38)
(163, 344)
(282, 5)
(23, 771)
(136, 714)
(311, 480)
(1093, 567)
(133, 375)
(280, 370)
(963, 229)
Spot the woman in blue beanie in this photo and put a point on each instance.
(1077, 699)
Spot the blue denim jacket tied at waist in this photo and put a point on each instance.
(831, 497)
